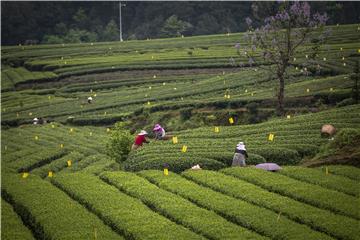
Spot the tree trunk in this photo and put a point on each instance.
(280, 95)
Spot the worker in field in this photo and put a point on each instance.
(160, 133)
(139, 140)
(89, 100)
(240, 155)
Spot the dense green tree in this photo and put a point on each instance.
(111, 32)
(174, 27)
(33, 20)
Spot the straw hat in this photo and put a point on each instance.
(241, 146)
(143, 132)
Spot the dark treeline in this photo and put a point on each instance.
(58, 22)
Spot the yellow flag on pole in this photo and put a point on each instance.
(184, 148)
(271, 137)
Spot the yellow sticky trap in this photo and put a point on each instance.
(90, 133)
(307, 56)
(154, 76)
(52, 126)
(49, 97)
(81, 106)
(326, 170)
(50, 174)
(30, 113)
(17, 115)
(71, 130)
(108, 130)
(68, 163)
(61, 145)
(252, 94)
(307, 90)
(182, 36)
(148, 103)
(271, 137)
(95, 95)
(6, 147)
(288, 116)
(25, 175)
(324, 58)
(36, 137)
(184, 148)
(174, 140)
(231, 120)
(359, 50)
(150, 87)
(152, 57)
(246, 90)
(331, 89)
(166, 171)
(223, 73)
(105, 113)
(164, 84)
(344, 64)
(343, 58)
(217, 129)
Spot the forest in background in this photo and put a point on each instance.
(74, 22)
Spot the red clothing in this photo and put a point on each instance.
(139, 140)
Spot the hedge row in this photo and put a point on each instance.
(258, 219)
(330, 181)
(338, 226)
(125, 214)
(345, 171)
(57, 216)
(308, 193)
(178, 209)
(58, 164)
(11, 225)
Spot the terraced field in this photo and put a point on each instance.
(136, 76)
(294, 138)
(231, 204)
(57, 181)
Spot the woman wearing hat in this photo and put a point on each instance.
(160, 133)
(139, 140)
(240, 155)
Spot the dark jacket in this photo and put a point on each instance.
(243, 152)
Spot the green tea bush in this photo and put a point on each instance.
(119, 144)
(345, 137)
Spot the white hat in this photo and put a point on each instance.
(143, 132)
(89, 98)
(240, 146)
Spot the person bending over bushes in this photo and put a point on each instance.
(160, 133)
(139, 140)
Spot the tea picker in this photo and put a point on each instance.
(239, 156)
(89, 100)
(160, 133)
(139, 140)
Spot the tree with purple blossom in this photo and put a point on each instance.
(292, 30)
